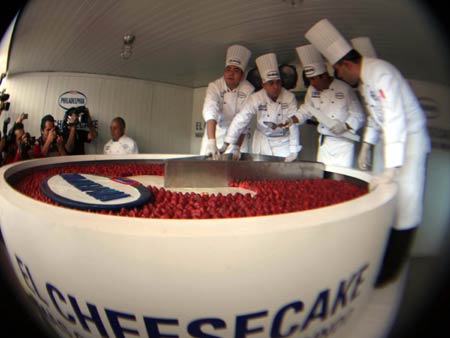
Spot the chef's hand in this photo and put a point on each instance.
(387, 176)
(338, 127)
(224, 147)
(291, 157)
(212, 149)
(286, 124)
(235, 152)
(365, 156)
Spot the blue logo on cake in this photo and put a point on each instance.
(95, 192)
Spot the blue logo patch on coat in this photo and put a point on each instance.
(262, 107)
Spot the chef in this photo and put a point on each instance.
(224, 98)
(120, 144)
(336, 107)
(273, 106)
(395, 113)
(366, 159)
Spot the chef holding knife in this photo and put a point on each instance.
(396, 114)
(224, 98)
(272, 105)
(334, 104)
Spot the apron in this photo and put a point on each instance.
(411, 182)
(272, 146)
(335, 151)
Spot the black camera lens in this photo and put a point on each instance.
(82, 117)
(4, 97)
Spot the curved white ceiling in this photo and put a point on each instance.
(184, 41)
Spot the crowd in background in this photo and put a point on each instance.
(59, 138)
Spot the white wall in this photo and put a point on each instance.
(197, 118)
(158, 116)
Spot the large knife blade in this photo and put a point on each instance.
(206, 174)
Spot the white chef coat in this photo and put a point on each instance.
(222, 104)
(338, 102)
(268, 141)
(124, 145)
(396, 113)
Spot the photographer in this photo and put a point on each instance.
(78, 129)
(18, 144)
(4, 97)
(3, 139)
(51, 142)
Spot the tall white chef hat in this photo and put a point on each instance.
(327, 39)
(364, 46)
(268, 67)
(312, 62)
(238, 56)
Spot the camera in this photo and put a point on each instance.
(5, 125)
(4, 97)
(26, 144)
(29, 140)
(82, 116)
(58, 131)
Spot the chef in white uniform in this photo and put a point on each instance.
(273, 105)
(120, 144)
(371, 157)
(224, 98)
(335, 99)
(396, 114)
